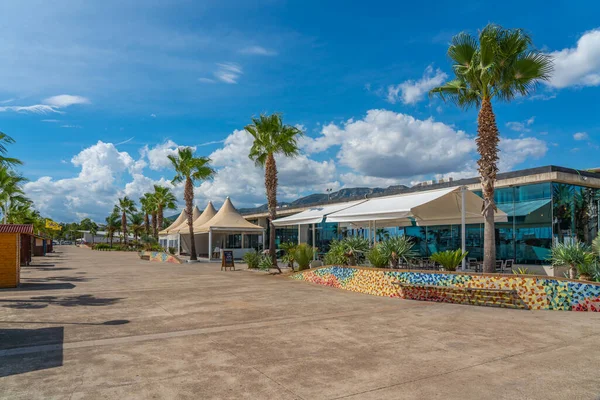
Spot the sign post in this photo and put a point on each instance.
(227, 260)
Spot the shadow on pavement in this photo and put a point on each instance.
(21, 363)
(57, 278)
(64, 301)
(23, 287)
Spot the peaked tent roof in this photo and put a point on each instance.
(184, 226)
(228, 219)
(208, 213)
(435, 207)
(175, 224)
(314, 215)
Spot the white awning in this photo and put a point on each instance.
(314, 215)
(433, 207)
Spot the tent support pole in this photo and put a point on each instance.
(263, 240)
(313, 242)
(210, 249)
(374, 233)
(299, 226)
(463, 225)
(179, 243)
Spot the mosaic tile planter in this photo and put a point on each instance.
(533, 292)
(160, 256)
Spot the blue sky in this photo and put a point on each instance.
(98, 93)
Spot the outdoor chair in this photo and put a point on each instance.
(508, 265)
(216, 253)
(474, 264)
(499, 265)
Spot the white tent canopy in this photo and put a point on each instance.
(183, 227)
(434, 207)
(182, 217)
(230, 220)
(314, 215)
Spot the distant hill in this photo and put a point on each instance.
(340, 195)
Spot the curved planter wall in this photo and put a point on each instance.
(160, 256)
(533, 292)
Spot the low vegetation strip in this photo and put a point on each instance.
(534, 292)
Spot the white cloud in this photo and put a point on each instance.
(65, 100)
(54, 121)
(258, 51)
(521, 126)
(206, 80)
(386, 144)
(153, 115)
(578, 66)
(515, 151)
(581, 136)
(71, 126)
(157, 155)
(228, 72)
(50, 105)
(93, 191)
(411, 92)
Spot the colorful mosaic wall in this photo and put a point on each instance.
(160, 256)
(518, 291)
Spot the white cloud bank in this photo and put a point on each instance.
(383, 148)
(580, 65)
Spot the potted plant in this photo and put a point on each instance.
(449, 259)
(303, 255)
(397, 248)
(577, 256)
(377, 258)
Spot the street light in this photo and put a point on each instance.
(328, 190)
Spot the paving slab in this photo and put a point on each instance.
(105, 325)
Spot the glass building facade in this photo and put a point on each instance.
(538, 215)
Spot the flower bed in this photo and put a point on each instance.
(534, 292)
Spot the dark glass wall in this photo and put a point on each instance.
(575, 212)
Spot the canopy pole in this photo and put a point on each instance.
(313, 242)
(263, 240)
(463, 226)
(299, 231)
(210, 249)
(178, 243)
(374, 232)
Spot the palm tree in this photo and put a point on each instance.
(147, 202)
(137, 224)
(112, 226)
(125, 207)
(272, 137)
(10, 190)
(502, 65)
(164, 199)
(189, 169)
(7, 161)
(93, 231)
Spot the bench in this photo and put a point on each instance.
(145, 257)
(460, 295)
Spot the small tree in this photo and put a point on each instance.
(449, 259)
(573, 255)
(125, 207)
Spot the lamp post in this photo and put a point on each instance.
(328, 190)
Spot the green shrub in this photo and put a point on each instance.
(577, 256)
(290, 250)
(172, 250)
(335, 255)
(521, 271)
(377, 258)
(449, 259)
(265, 263)
(101, 246)
(252, 258)
(303, 255)
(397, 248)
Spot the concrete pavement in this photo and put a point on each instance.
(105, 325)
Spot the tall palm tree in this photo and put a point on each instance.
(147, 203)
(125, 207)
(189, 169)
(7, 161)
(501, 64)
(112, 225)
(165, 200)
(272, 137)
(10, 190)
(137, 225)
(93, 231)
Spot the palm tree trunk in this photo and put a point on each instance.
(147, 224)
(188, 195)
(159, 219)
(487, 146)
(154, 225)
(271, 186)
(573, 272)
(124, 227)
